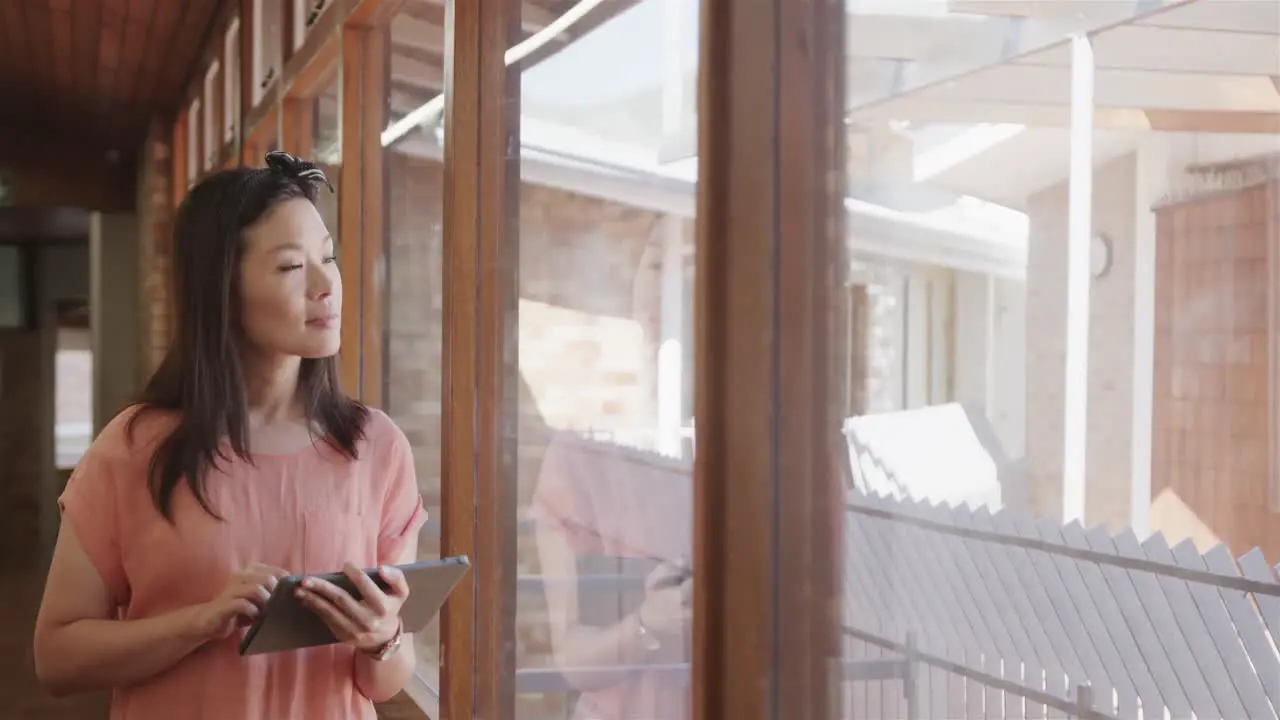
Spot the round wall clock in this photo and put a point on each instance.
(1100, 256)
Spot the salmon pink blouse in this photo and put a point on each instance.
(307, 512)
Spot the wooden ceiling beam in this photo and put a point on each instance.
(62, 171)
(1110, 118)
(61, 223)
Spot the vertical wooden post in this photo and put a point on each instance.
(497, 411)
(362, 212)
(288, 21)
(811, 267)
(248, 29)
(770, 247)
(478, 482)
(179, 187)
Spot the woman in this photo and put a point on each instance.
(243, 462)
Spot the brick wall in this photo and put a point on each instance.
(154, 222)
(589, 308)
(1210, 465)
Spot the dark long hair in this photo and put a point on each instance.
(201, 376)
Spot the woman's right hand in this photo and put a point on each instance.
(239, 602)
(666, 608)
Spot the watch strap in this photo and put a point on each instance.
(390, 647)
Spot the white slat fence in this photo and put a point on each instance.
(1002, 617)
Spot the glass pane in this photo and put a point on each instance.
(416, 97)
(413, 311)
(73, 384)
(193, 142)
(1087, 353)
(605, 402)
(326, 144)
(268, 35)
(212, 108)
(231, 83)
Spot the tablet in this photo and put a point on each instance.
(286, 624)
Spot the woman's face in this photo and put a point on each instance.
(291, 291)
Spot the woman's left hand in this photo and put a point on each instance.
(367, 624)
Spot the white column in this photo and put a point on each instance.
(1150, 173)
(679, 127)
(975, 339)
(941, 344)
(671, 318)
(917, 345)
(1079, 245)
(671, 330)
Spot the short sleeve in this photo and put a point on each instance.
(90, 506)
(403, 513)
(560, 501)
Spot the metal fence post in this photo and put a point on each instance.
(909, 676)
(1084, 701)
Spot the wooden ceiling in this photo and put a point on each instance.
(96, 70)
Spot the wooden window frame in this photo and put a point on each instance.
(231, 79)
(766, 489)
(297, 24)
(481, 222)
(178, 188)
(266, 75)
(194, 143)
(362, 206)
(211, 139)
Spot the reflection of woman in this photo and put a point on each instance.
(592, 501)
(242, 462)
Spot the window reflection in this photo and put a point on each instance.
(974, 485)
(614, 549)
(604, 624)
(326, 143)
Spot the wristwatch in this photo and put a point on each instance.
(388, 648)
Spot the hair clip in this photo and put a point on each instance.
(297, 168)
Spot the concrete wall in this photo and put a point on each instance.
(1111, 347)
(990, 353)
(118, 357)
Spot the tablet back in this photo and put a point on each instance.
(285, 624)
